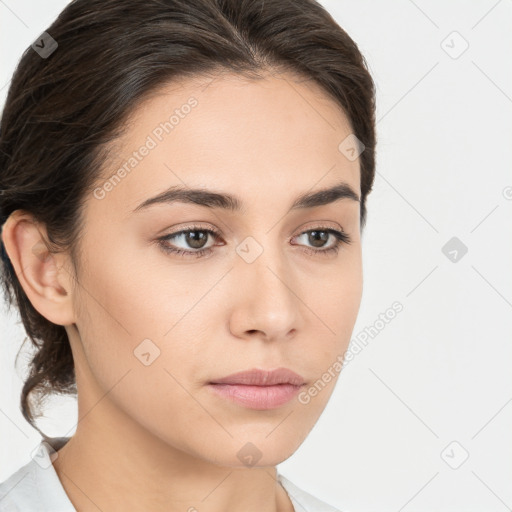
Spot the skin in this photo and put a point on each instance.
(155, 437)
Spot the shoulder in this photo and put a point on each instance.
(18, 490)
(35, 486)
(302, 500)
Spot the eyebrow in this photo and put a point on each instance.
(223, 200)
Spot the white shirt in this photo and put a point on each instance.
(36, 487)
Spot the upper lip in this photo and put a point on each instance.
(257, 377)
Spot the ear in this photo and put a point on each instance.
(44, 276)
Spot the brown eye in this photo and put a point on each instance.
(194, 241)
(319, 237)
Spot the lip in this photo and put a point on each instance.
(257, 377)
(259, 389)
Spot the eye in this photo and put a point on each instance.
(196, 238)
(318, 238)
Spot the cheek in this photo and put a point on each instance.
(137, 311)
(136, 292)
(145, 372)
(335, 303)
(336, 297)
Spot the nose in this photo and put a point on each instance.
(268, 303)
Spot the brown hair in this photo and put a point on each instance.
(62, 110)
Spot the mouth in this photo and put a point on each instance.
(259, 389)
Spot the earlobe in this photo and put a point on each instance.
(41, 273)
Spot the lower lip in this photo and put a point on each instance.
(257, 397)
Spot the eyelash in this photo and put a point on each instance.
(341, 238)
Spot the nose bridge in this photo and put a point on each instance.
(262, 258)
(265, 280)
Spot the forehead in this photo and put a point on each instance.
(274, 136)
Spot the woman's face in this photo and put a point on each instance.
(157, 327)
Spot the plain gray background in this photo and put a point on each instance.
(433, 386)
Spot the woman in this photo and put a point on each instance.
(184, 187)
